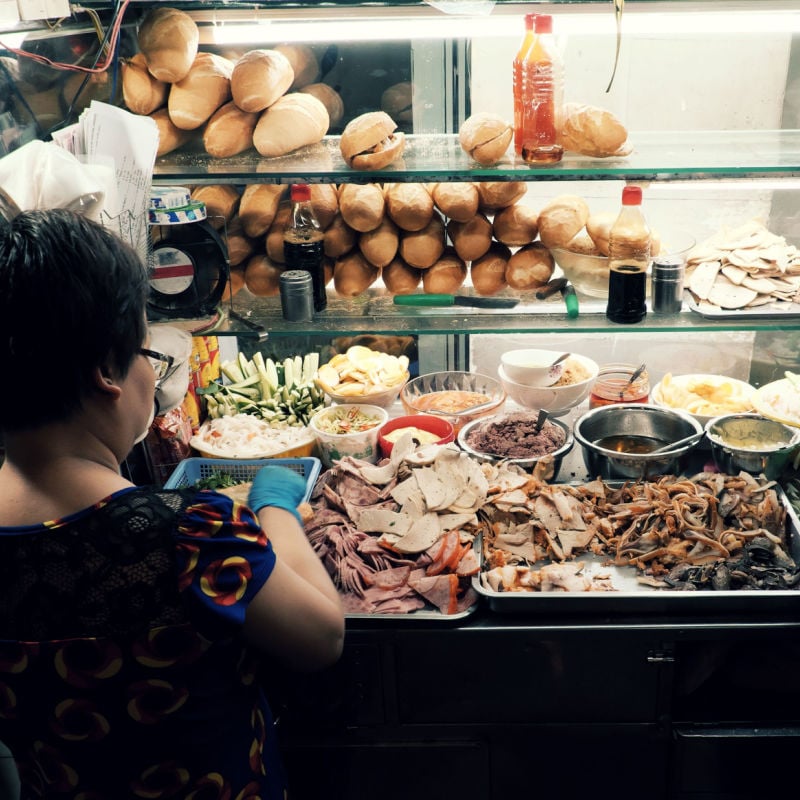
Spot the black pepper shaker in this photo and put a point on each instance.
(297, 295)
(667, 272)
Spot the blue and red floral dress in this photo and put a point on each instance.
(123, 673)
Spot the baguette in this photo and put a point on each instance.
(207, 86)
(169, 137)
(516, 225)
(458, 201)
(262, 276)
(531, 267)
(142, 92)
(340, 238)
(488, 273)
(401, 278)
(229, 131)
(259, 78)
(485, 137)
(353, 274)
(410, 205)
(330, 98)
(168, 39)
(561, 219)
(422, 249)
(447, 275)
(258, 207)
(290, 123)
(495, 195)
(470, 239)
(222, 202)
(379, 246)
(362, 206)
(304, 64)
(593, 131)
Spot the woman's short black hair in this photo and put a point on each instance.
(72, 298)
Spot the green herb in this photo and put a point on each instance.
(217, 480)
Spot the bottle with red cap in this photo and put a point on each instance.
(628, 260)
(303, 242)
(542, 95)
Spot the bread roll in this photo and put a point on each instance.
(304, 64)
(207, 86)
(222, 202)
(325, 202)
(262, 276)
(458, 201)
(259, 78)
(369, 141)
(561, 219)
(327, 270)
(362, 206)
(410, 205)
(379, 246)
(235, 283)
(593, 131)
(470, 239)
(141, 91)
(422, 249)
(531, 267)
(488, 273)
(258, 207)
(240, 246)
(397, 102)
(229, 131)
(401, 278)
(516, 225)
(447, 275)
(598, 226)
(168, 39)
(485, 137)
(340, 238)
(290, 123)
(273, 243)
(495, 195)
(169, 137)
(330, 98)
(353, 274)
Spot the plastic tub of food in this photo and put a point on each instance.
(350, 429)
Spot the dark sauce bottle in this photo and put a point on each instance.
(628, 261)
(303, 242)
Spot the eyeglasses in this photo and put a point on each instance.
(160, 363)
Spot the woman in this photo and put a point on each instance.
(131, 618)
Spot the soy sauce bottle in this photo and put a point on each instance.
(628, 261)
(303, 242)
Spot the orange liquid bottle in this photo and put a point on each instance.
(519, 60)
(542, 89)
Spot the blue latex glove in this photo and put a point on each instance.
(279, 487)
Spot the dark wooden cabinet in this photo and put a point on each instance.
(499, 706)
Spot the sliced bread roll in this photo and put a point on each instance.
(294, 121)
(229, 131)
(207, 86)
(168, 38)
(142, 92)
(259, 78)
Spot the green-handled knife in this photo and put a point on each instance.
(454, 300)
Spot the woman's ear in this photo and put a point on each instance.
(104, 383)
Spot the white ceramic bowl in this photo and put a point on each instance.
(361, 444)
(532, 367)
(704, 396)
(555, 400)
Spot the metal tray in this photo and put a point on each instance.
(635, 598)
(420, 615)
(778, 309)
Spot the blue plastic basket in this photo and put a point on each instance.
(191, 470)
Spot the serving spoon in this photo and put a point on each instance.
(666, 448)
(636, 373)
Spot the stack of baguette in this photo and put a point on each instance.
(410, 237)
(263, 98)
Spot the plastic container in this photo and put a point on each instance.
(628, 261)
(517, 79)
(303, 242)
(191, 470)
(613, 385)
(361, 444)
(542, 93)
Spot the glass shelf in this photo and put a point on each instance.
(657, 156)
(375, 312)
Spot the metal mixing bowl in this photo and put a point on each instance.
(751, 443)
(662, 425)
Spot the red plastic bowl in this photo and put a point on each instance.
(425, 422)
